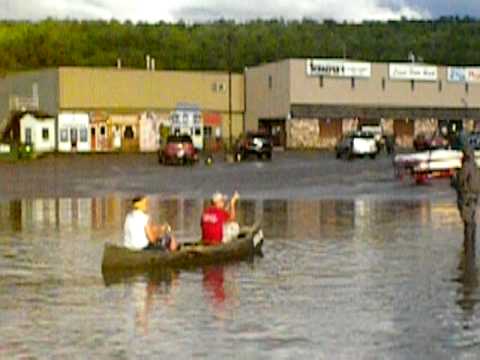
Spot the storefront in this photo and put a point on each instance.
(38, 132)
(73, 132)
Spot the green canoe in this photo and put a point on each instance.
(118, 259)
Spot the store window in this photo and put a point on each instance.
(198, 131)
(197, 119)
(207, 131)
(28, 135)
(63, 135)
(185, 119)
(102, 130)
(83, 135)
(45, 134)
(128, 133)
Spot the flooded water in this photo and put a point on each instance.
(360, 279)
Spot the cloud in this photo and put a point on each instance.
(205, 10)
(291, 9)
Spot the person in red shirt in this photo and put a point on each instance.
(216, 219)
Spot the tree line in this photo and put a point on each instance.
(221, 45)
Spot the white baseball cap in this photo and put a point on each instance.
(218, 196)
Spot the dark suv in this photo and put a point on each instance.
(257, 144)
(178, 150)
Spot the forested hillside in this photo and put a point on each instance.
(25, 45)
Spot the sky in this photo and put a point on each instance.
(205, 10)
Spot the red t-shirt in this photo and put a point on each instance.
(212, 225)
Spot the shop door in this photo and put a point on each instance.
(74, 138)
(276, 129)
(94, 138)
(404, 131)
(330, 129)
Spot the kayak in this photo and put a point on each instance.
(117, 258)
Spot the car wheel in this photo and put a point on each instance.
(373, 156)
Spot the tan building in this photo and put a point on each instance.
(117, 99)
(310, 103)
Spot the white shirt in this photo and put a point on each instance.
(135, 237)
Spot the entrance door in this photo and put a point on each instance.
(330, 129)
(404, 131)
(276, 129)
(74, 138)
(93, 132)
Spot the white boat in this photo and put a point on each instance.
(434, 163)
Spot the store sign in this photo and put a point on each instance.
(464, 74)
(457, 74)
(413, 72)
(473, 75)
(338, 68)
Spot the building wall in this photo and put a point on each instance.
(313, 133)
(129, 91)
(36, 127)
(338, 91)
(125, 89)
(264, 101)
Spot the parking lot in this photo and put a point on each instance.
(290, 175)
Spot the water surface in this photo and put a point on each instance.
(360, 279)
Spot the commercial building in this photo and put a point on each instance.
(122, 104)
(311, 103)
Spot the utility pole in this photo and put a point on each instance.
(229, 55)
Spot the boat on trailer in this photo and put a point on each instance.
(118, 259)
(426, 165)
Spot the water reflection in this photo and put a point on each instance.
(280, 218)
(468, 279)
(155, 290)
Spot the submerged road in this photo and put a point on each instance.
(290, 175)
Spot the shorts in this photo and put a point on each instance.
(163, 244)
(230, 232)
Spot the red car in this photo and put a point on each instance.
(179, 149)
(436, 141)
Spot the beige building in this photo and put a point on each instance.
(310, 103)
(117, 99)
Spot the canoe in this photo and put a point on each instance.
(117, 258)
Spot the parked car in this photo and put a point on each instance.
(436, 141)
(357, 144)
(178, 149)
(257, 144)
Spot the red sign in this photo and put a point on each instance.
(212, 119)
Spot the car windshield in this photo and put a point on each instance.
(364, 135)
(179, 139)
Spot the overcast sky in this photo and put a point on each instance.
(203, 10)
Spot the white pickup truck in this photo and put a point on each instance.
(357, 144)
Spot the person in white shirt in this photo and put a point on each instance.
(141, 233)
